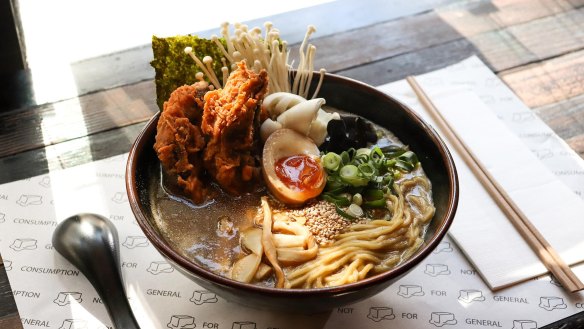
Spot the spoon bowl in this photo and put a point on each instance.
(90, 242)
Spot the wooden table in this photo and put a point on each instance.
(535, 46)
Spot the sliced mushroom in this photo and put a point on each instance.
(262, 272)
(268, 127)
(276, 103)
(300, 117)
(289, 240)
(251, 239)
(268, 244)
(245, 268)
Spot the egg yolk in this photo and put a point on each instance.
(300, 172)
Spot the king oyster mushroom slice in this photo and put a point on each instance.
(251, 239)
(245, 268)
(268, 127)
(301, 116)
(318, 130)
(277, 103)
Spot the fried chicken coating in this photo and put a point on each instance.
(230, 122)
(179, 139)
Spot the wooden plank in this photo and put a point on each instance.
(566, 118)
(577, 144)
(481, 16)
(68, 154)
(78, 117)
(11, 321)
(414, 63)
(532, 41)
(7, 307)
(376, 42)
(549, 81)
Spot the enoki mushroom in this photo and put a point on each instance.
(262, 52)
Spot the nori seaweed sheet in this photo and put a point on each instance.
(174, 68)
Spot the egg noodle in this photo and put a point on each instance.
(373, 247)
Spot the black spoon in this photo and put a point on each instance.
(90, 242)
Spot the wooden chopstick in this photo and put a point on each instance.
(548, 255)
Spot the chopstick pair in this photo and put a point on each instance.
(548, 255)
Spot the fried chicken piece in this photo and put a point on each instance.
(179, 139)
(231, 121)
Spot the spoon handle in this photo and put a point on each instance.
(90, 242)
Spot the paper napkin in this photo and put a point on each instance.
(480, 228)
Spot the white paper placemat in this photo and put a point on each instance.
(443, 291)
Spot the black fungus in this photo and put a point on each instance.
(349, 132)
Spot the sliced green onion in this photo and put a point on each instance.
(349, 171)
(393, 151)
(359, 159)
(331, 161)
(366, 169)
(350, 174)
(409, 156)
(372, 194)
(344, 214)
(338, 201)
(355, 210)
(380, 203)
(357, 199)
(374, 198)
(345, 158)
(335, 191)
(334, 183)
(389, 163)
(363, 151)
(404, 165)
(377, 151)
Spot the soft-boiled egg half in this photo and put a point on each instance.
(292, 168)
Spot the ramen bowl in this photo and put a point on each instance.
(350, 96)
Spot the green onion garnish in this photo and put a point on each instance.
(362, 179)
(331, 161)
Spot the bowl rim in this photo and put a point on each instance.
(190, 266)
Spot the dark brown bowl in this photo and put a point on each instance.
(348, 95)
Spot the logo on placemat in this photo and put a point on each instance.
(444, 246)
(135, 242)
(524, 324)
(26, 200)
(410, 290)
(159, 267)
(243, 325)
(552, 303)
(120, 197)
(436, 269)
(45, 182)
(23, 244)
(471, 295)
(64, 298)
(74, 324)
(440, 319)
(203, 296)
(380, 313)
(7, 264)
(181, 322)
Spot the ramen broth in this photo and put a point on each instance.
(210, 234)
